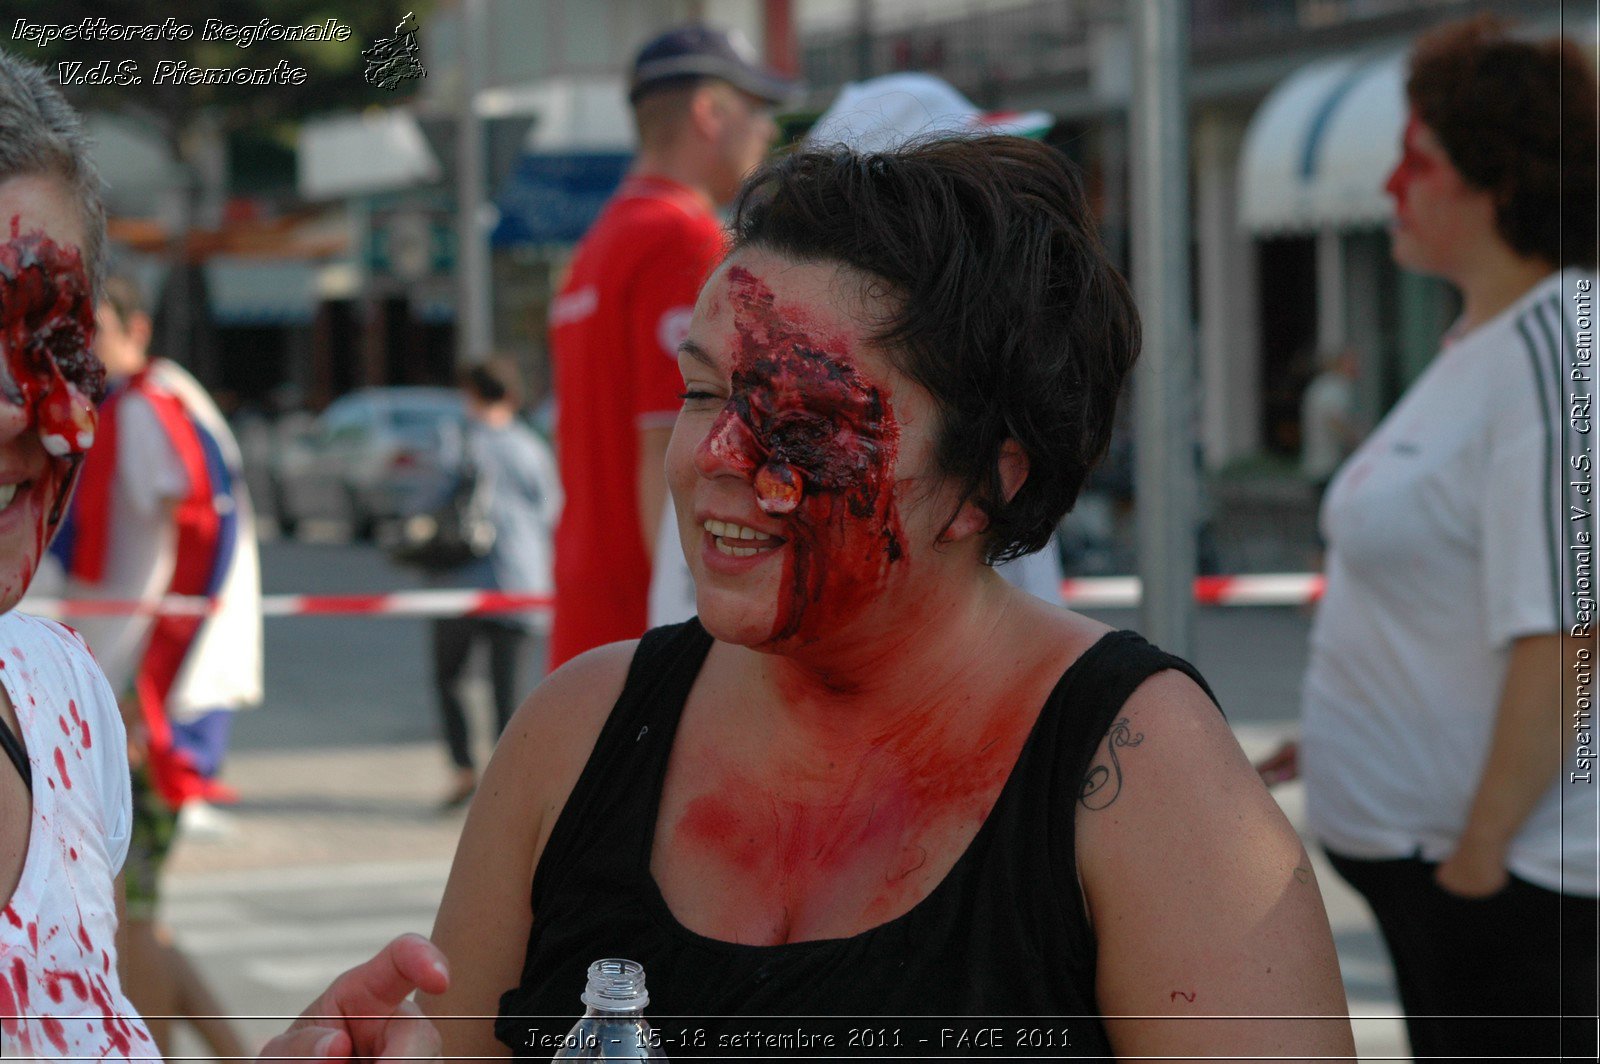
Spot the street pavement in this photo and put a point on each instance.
(336, 845)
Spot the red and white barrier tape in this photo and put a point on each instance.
(1257, 589)
(1103, 592)
(429, 603)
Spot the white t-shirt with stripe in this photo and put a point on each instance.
(1450, 536)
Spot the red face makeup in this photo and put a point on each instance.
(819, 442)
(49, 382)
(46, 326)
(1413, 165)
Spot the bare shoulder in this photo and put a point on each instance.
(486, 915)
(1202, 897)
(549, 739)
(1181, 738)
(1051, 633)
(1169, 775)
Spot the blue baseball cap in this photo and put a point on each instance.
(699, 51)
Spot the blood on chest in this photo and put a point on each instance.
(786, 854)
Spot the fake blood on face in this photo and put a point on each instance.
(1413, 165)
(818, 441)
(48, 373)
(46, 328)
(880, 786)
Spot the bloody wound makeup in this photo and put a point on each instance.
(1413, 164)
(48, 374)
(46, 325)
(819, 442)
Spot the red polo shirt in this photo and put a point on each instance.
(614, 334)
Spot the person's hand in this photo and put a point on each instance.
(1472, 872)
(1280, 766)
(365, 1015)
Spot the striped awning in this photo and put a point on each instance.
(1318, 151)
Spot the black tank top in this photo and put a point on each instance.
(1003, 935)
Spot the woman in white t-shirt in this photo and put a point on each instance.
(65, 806)
(1441, 770)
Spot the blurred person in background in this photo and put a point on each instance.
(521, 492)
(703, 108)
(1328, 427)
(162, 509)
(1436, 727)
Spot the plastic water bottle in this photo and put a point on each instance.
(613, 1027)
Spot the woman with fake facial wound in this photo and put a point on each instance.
(65, 806)
(872, 775)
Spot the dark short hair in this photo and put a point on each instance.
(493, 381)
(1004, 305)
(1517, 119)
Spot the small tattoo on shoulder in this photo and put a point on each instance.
(1303, 874)
(1189, 997)
(1102, 784)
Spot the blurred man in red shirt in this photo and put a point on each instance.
(703, 107)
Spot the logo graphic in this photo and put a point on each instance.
(391, 60)
(673, 329)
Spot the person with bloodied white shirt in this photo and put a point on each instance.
(872, 781)
(65, 803)
(149, 518)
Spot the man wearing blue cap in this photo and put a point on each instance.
(702, 104)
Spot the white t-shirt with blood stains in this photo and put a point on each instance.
(58, 960)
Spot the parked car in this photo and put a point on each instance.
(371, 456)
